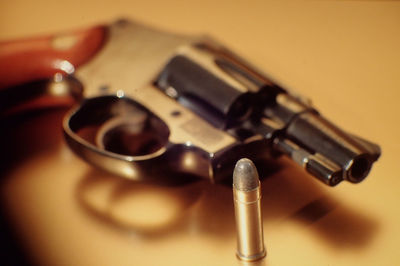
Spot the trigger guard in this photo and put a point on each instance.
(86, 126)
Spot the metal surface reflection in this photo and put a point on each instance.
(144, 208)
(154, 212)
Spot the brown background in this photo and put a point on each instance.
(344, 55)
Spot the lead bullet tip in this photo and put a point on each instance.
(245, 176)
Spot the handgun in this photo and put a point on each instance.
(150, 103)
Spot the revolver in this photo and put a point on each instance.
(151, 103)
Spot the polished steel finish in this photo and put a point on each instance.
(127, 66)
(247, 201)
(188, 104)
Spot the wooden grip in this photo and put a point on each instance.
(40, 58)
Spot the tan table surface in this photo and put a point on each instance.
(344, 55)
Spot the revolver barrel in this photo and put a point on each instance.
(320, 147)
